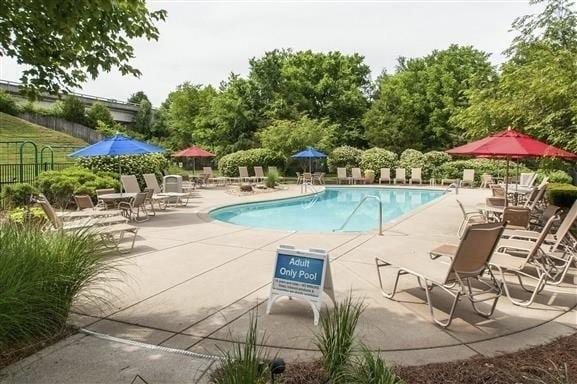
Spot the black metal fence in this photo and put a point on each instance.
(27, 173)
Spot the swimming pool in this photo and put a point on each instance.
(327, 210)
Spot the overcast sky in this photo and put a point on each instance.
(203, 41)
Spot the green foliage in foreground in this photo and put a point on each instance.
(562, 195)
(245, 362)
(228, 165)
(336, 337)
(368, 368)
(41, 274)
(17, 195)
(271, 179)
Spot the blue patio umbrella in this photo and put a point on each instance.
(309, 153)
(117, 145)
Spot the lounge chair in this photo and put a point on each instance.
(342, 176)
(385, 175)
(562, 239)
(527, 179)
(210, 178)
(469, 218)
(550, 266)
(244, 176)
(357, 176)
(467, 261)
(486, 180)
(106, 228)
(130, 184)
(400, 176)
(86, 209)
(416, 176)
(161, 197)
(258, 174)
(468, 177)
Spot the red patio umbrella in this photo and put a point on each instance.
(193, 152)
(509, 144)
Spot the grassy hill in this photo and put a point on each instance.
(15, 129)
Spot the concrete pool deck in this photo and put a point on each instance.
(192, 283)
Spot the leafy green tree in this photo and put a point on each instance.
(288, 137)
(143, 118)
(328, 86)
(63, 42)
(99, 112)
(414, 106)
(537, 89)
(72, 109)
(137, 97)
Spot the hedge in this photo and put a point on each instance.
(129, 165)
(59, 186)
(555, 176)
(562, 195)
(345, 156)
(376, 158)
(228, 164)
(433, 161)
(454, 169)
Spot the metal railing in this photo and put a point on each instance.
(357, 208)
(27, 172)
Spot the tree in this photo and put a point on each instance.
(143, 118)
(99, 112)
(63, 42)
(137, 97)
(328, 86)
(72, 109)
(537, 89)
(288, 137)
(414, 106)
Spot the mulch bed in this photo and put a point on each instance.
(19, 352)
(538, 365)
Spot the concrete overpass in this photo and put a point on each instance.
(122, 112)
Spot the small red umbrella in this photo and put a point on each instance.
(193, 152)
(510, 144)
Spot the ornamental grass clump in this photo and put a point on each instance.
(245, 362)
(41, 275)
(336, 337)
(368, 368)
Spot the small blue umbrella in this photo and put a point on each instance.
(117, 145)
(309, 153)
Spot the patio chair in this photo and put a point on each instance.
(385, 175)
(106, 228)
(319, 178)
(244, 176)
(210, 178)
(416, 176)
(163, 198)
(342, 176)
(469, 218)
(258, 174)
(400, 176)
(307, 177)
(516, 217)
(86, 209)
(486, 180)
(130, 184)
(299, 178)
(527, 179)
(468, 177)
(467, 261)
(105, 191)
(357, 176)
(549, 266)
(132, 209)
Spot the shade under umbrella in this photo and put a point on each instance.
(509, 144)
(117, 145)
(309, 153)
(193, 152)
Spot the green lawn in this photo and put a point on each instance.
(15, 129)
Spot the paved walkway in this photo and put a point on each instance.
(191, 284)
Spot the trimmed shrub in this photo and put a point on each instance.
(562, 195)
(433, 161)
(34, 216)
(376, 158)
(345, 156)
(8, 105)
(271, 179)
(58, 186)
(17, 195)
(411, 158)
(129, 165)
(72, 109)
(228, 164)
(555, 176)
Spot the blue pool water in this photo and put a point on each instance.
(327, 210)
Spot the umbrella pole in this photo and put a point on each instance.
(120, 175)
(507, 182)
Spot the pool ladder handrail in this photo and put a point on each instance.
(307, 184)
(357, 208)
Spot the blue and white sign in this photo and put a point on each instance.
(302, 274)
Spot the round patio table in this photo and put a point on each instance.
(117, 197)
